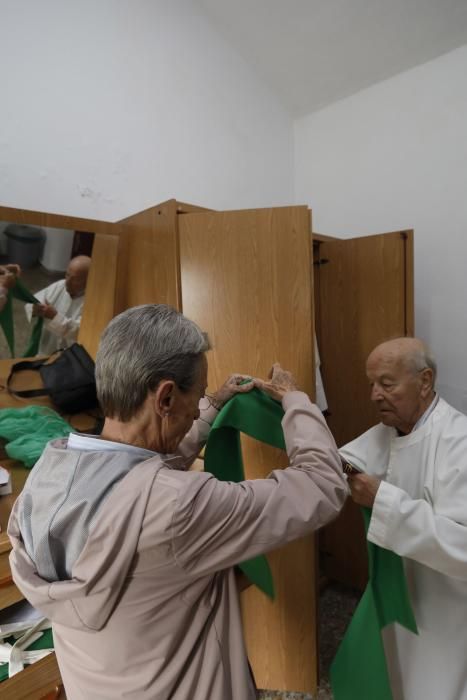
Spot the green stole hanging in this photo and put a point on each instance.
(19, 291)
(258, 416)
(359, 670)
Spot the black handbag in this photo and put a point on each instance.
(69, 380)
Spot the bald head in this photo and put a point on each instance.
(401, 373)
(413, 353)
(77, 275)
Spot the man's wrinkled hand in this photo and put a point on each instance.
(44, 311)
(235, 384)
(14, 269)
(7, 276)
(280, 382)
(363, 489)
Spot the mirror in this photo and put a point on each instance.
(43, 254)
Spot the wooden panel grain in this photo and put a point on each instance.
(148, 265)
(409, 282)
(35, 682)
(9, 595)
(100, 298)
(362, 303)
(246, 280)
(41, 218)
(365, 296)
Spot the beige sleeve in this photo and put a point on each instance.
(218, 524)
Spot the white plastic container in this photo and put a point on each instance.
(57, 249)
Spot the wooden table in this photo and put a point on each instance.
(41, 681)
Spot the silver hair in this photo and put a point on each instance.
(139, 348)
(421, 358)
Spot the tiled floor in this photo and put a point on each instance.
(336, 607)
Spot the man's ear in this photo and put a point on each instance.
(164, 397)
(426, 377)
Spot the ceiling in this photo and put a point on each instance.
(314, 52)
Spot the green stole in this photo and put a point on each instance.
(258, 416)
(359, 670)
(19, 291)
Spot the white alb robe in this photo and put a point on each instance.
(62, 330)
(420, 512)
(321, 400)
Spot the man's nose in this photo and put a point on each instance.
(376, 393)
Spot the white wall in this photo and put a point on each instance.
(391, 157)
(110, 106)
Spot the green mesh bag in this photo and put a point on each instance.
(28, 430)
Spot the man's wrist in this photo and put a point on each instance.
(215, 402)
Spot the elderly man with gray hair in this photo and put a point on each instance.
(414, 466)
(131, 556)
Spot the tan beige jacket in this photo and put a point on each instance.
(150, 610)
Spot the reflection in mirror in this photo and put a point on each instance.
(54, 264)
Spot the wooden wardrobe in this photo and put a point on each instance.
(259, 283)
(363, 292)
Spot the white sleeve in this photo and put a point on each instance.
(432, 532)
(63, 327)
(28, 311)
(40, 296)
(321, 400)
(196, 437)
(356, 452)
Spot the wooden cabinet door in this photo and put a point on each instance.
(99, 301)
(364, 290)
(246, 279)
(148, 261)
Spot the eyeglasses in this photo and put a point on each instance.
(210, 400)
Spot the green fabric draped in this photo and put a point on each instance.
(28, 430)
(359, 670)
(19, 291)
(258, 416)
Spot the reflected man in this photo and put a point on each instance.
(61, 305)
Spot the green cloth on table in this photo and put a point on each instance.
(258, 416)
(19, 291)
(45, 642)
(359, 670)
(29, 429)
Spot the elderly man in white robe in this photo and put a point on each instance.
(61, 304)
(415, 480)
